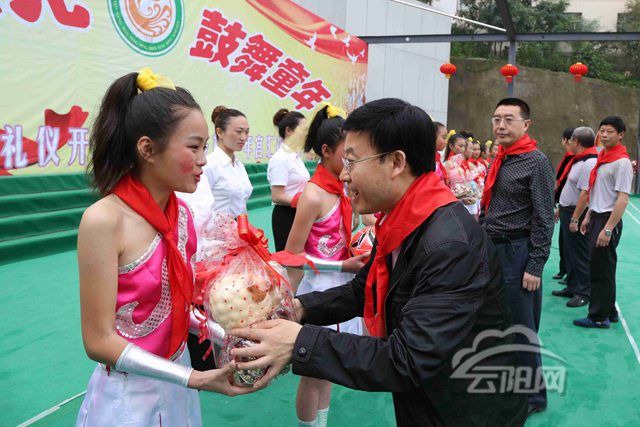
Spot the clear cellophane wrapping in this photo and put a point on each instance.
(241, 287)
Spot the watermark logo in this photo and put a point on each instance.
(150, 27)
(469, 364)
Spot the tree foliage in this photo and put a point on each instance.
(614, 62)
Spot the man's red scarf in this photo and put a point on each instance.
(521, 146)
(562, 166)
(133, 192)
(426, 194)
(329, 183)
(440, 167)
(607, 155)
(574, 159)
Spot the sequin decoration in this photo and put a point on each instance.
(124, 316)
(330, 251)
(182, 232)
(193, 267)
(145, 256)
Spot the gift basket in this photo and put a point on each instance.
(241, 286)
(478, 175)
(461, 183)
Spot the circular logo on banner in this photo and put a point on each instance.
(150, 27)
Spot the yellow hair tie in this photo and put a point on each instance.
(488, 143)
(451, 132)
(333, 111)
(147, 80)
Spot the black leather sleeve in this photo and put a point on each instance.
(434, 322)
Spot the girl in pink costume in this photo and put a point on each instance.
(135, 258)
(322, 230)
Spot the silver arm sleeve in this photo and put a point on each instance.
(216, 332)
(137, 361)
(323, 264)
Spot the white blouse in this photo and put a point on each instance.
(286, 168)
(201, 204)
(229, 183)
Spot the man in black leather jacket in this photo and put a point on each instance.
(445, 295)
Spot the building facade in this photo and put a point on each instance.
(408, 71)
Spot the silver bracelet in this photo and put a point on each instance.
(323, 264)
(135, 360)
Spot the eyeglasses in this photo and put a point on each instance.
(347, 164)
(507, 120)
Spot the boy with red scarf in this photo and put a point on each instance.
(608, 196)
(518, 215)
(431, 289)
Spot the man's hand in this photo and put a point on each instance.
(557, 215)
(584, 226)
(573, 227)
(299, 309)
(603, 239)
(217, 380)
(530, 282)
(275, 338)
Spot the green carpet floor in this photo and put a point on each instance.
(43, 362)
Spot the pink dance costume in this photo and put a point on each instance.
(143, 317)
(328, 240)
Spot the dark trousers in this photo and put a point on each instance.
(576, 252)
(281, 221)
(562, 267)
(603, 269)
(526, 306)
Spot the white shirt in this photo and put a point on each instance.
(286, 168)
(229, 183)
(578, 179)
(612, 178)
(201, 204)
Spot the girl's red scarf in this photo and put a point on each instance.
(440, 167)
(426, 194)
(329, 183)
(133, 192)
(465, 165)
(608, 155)
(521, 146)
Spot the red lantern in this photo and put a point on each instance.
(578, 70)
(509, 71)
(448, 69)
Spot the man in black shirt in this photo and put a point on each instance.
(518, 215)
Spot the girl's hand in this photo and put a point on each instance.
(355, 264)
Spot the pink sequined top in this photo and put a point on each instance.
(327, 238)
(143, 307)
